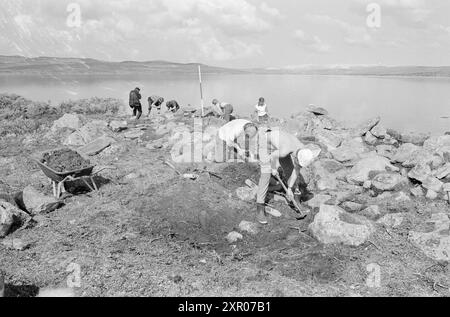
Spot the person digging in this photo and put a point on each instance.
(281, 150)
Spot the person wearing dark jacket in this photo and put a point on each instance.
(135, 103)
(173, 106)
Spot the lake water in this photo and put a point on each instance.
(407, 104)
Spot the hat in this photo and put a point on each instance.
(306, 157)
(137, 88)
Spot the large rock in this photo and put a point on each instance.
(388, 182)
(370, 139)
(435, 244)
(328, 138)
(404, 152)
(435, 143)
(6, 218)
(361, 171)
(37, 203)
(442, 172)
(318, 200)
(350, 150)
(325, 173)
(96, 147)
(333, 225)
(68, 121)
(365, 127)
(118, 126)
(87, 133)
(432, 183)
(420, 172)
(387, 151)
(379, 131)
(318, 111)
(415, 138)
(421, 156)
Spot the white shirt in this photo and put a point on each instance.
(262, 110)
(232, 130)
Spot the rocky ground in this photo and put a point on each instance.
(378, 223)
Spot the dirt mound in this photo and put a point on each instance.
(65, 160)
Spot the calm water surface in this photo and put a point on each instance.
(408, 104)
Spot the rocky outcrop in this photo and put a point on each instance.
(333, 225)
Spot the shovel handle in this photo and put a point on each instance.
(299, 210)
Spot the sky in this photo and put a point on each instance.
(231, 33)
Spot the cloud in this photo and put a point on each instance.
(212, 29)
(353, 35)
(313, 43)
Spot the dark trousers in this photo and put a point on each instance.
(137, 111)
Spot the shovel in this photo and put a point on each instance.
(296, 205)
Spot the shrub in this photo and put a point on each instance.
(19, 126)
(14, 106)
(91, 106)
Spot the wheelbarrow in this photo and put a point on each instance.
(59, 178)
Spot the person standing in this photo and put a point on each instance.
(135, 103)
(154, 101)
(225, 109)
(261, 111)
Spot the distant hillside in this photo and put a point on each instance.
(51, 66)
(65, 67)
(423, 71)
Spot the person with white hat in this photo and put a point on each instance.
(277, 149)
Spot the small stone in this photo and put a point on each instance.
(249, 227)
(388, 182)
(402, 197)
(234, 237)
(118, 126)
(273, 212)
(367, 185)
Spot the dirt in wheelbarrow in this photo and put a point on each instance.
(65, 160)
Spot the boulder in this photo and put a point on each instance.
(6, 218)
(249, 227)
(421, 156)
(362, 170)
(352, 207)
(333, 225)
(318, 111)
(37, 203)
(388, 182)
(431, 195)
(365, 127)
(68, 121)
(96, 147)
(318, 200)
(436, 243)
(371, 212)
(387, 151)
(435, 143)
(328, 138)
(134, 134)
(442, 172)
(379, 131)
(415, 138)
(234, 237)
(392, 220)
(420, 173)
(432, 183)
(118, 126)
(404, 152)
(370, 139)
(350, 150)
(417, 191)
(325, 174)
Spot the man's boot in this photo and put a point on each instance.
(262, 216)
